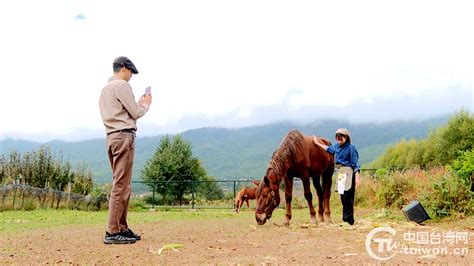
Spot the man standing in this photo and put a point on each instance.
(120, 112)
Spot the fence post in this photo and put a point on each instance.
(192, 189)
(234, 189)
(14, 196)
(22, 196)
(4, 194)
(153, 198)
(68, 192)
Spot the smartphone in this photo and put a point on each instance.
(148, 90)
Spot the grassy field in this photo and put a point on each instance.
(13, 221)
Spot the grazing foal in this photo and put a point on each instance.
(246, 194)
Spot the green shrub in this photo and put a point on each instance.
(137, 205)
(229, 195)
(395, 191)
(441, 147)
(382, 172)
(463, 167)
(365, 193)
(157, 200)
(29, 205)
(450, 195)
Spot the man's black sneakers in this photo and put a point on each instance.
(118, 238)
(130, 234)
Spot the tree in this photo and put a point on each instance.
(457, 136)
(14, 165)
(42, 167)
(82, 180)
(173, 168)
(210, 189)
(62, 175)
(440, 148)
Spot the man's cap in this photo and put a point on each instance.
(125, 62)
(343, 131)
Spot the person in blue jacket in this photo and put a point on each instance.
(346, 155)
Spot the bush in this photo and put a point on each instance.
(209, 189)
(441, 147)
(148, 199)
(137, 205)
(450, 195)
(365, 192)
(396, 190)
(382, 172)
(463, 167)
(29, 205)
(229, 195)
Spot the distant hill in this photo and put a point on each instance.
(237, 153)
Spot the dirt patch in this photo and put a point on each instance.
(233, 240)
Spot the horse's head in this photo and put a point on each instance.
(237, 204)
(238, 201)
(268, 197)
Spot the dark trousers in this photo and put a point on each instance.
(347, 200)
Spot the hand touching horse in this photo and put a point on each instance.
(297, 156)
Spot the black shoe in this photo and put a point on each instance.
(130, 234)
(349, 220)
(118, 239)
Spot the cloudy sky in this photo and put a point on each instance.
(232, 63)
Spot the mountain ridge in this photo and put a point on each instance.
(234, 153)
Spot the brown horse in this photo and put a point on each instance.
(297, 156)
(246, 194)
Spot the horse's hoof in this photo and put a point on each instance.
(313, 220)
(327, 219)
(320, 219)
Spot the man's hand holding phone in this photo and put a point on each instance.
(147, 91)
(145, 100)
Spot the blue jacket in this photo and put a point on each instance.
(346, 155)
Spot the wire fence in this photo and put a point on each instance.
(24, 197)
(20, 196)
(193, 201)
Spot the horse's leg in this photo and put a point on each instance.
(288, 199)
(247, 201)
(319, 192)
(309, 198)
(327, 184)
(238, 205)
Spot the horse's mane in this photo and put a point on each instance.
(290, 147)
